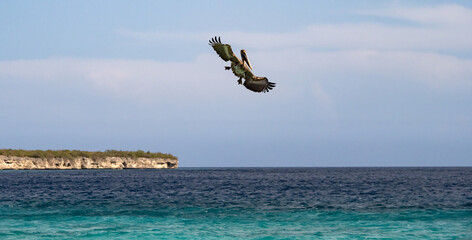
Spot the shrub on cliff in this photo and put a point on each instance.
(70, 154)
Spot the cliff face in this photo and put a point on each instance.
(16, 163)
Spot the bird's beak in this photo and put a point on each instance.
(245, 59)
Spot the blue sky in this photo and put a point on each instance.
(359, 83)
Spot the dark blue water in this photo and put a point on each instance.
(277, 203)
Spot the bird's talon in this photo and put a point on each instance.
(227, 68)
(240, 82)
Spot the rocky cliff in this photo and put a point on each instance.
(15, 163)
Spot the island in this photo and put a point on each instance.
(12, 159)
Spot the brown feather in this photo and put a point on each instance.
(257, 84)
(223, 50)
(251, 82)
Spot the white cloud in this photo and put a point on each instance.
(140, 79)
(435, 28)
(296, 73)
(150, 36)
(298, 62)
(422, 49)
(427, 68)
(449, 15)
(370, 36)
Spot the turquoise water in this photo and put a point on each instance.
(278, 203)
(217, 224)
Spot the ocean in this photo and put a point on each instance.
(237, 203)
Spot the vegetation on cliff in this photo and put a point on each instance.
(70, 154)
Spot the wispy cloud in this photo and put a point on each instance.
(151, 36)
(142, 79)
(448, 15)
(444, 27)
(300, 76)
(426, 68)
(302, 62)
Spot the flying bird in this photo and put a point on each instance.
(241, 68)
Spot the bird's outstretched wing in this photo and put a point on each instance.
(257, 84)
(223, 50)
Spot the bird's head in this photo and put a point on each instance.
(245, 59)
